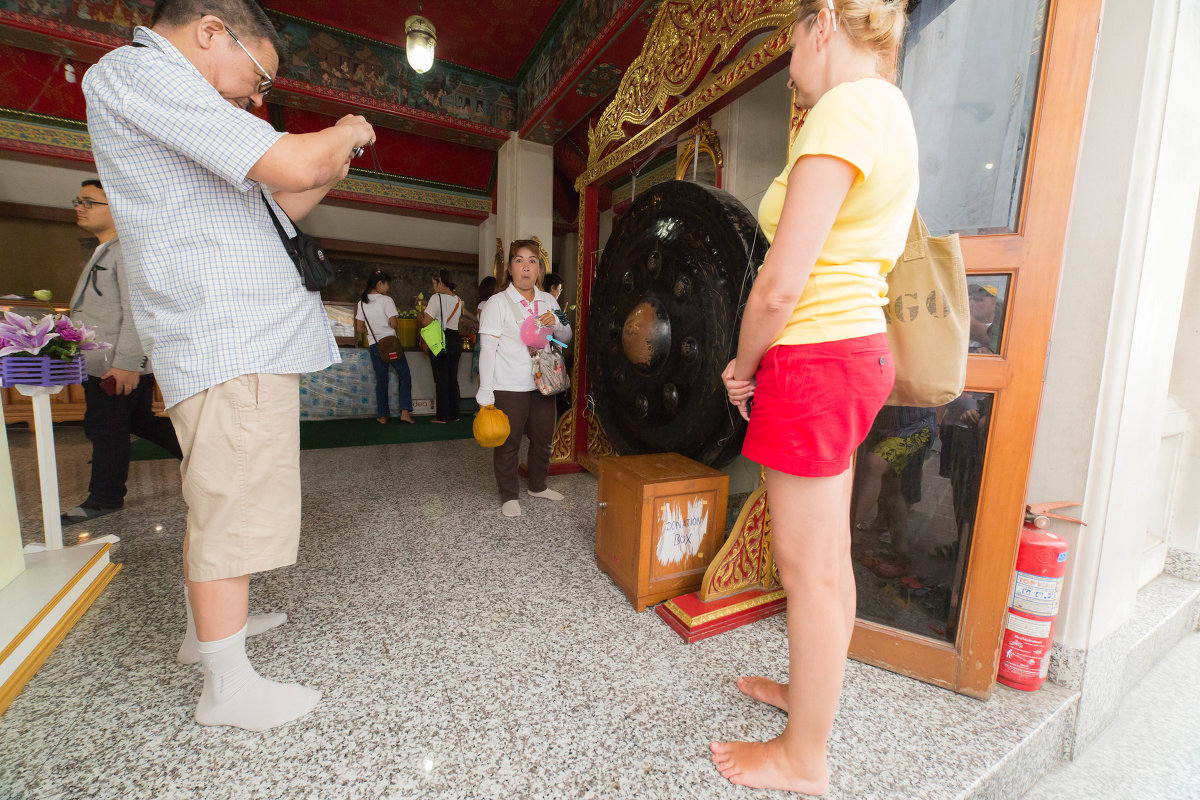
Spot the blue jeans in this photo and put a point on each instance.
(382, 382)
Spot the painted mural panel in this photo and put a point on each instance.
(338, 60)
(581, 26)
(323, 57)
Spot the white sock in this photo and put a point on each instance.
(189, 651)
(235, 695)
(548, 494)
(511, 508)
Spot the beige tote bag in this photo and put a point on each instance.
(928, 321)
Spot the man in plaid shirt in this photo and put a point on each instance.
(220, 307)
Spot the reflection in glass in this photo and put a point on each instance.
(970, 70)
(916, 489)
(987, 300)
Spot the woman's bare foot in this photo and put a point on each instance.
(764, 765)
(381, 420)
(765, 690)
(406, 417)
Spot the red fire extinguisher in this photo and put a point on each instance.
(1033, 605)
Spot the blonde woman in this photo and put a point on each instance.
(506, 376)
(813, 356)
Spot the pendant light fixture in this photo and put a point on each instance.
(421, 38)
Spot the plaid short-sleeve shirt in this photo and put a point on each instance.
(214, 294)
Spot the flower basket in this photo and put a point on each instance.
(41, 371)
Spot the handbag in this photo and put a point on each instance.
(389, 347)
(550, 370)
(548, 365)
(928, 321)
(305, 252)
(433, 338)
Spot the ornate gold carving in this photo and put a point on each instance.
(563, 448)
(761, 56)
(746, 560)
(498, 266)
(598, 445)
(543, 257)
(797, 121)
(687, 38)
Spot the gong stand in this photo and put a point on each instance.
(684, 72)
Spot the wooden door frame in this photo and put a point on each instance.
(1033, 258)
(969, 664)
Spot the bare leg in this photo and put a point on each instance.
(811, 533)
(220, 607)
(866, 511)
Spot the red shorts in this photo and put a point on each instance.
(814, 404)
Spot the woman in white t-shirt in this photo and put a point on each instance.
(506, 375)
(448, 309)
(376, 316)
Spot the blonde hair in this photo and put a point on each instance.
(875, 25)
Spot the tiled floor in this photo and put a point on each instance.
(1152, 748)
(462, 655)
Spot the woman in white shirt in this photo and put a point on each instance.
(447, 308)
(376, 316)
(506, 375)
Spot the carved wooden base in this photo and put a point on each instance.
(693, 619)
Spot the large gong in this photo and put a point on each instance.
(663, 322)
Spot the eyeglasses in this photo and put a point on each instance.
(267, 81)
(86, 202)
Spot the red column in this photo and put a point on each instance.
(590, 233)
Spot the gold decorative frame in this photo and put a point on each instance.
(498, 265)
(705, 139)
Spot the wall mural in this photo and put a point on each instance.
(110, 17)
(338, 60)
(324, 57)
(580, 28)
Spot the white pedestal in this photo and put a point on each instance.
(43, 426)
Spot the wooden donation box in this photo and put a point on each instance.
(659, 522)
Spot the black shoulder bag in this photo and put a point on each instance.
(306, 254)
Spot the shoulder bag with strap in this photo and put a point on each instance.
(389, 346)
(305, 252)
(547, 364)
(928, 321)
(433, 337)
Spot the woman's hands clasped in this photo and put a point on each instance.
(740, 392)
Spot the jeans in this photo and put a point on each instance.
(445, 377)
(382, 408)
(108, 422)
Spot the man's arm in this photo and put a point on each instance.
(304, 163)
(298, 204)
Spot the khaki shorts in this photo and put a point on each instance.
(241, 475)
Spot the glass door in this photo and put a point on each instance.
(998, 92)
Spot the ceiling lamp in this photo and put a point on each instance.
(421, 39)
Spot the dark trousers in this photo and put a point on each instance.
(532, 414)
(445, 377)
(382, 379)
(108, 423)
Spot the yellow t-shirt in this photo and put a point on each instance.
(868, 124)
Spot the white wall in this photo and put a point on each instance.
(1118, 308)
(35, 184)
(380, 227)
(1184, 530)
(754, 133)
(524, 196)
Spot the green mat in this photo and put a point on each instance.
(321, 434)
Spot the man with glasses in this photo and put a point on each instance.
(120, 387)
(220, 306)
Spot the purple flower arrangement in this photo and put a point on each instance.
(55, 337)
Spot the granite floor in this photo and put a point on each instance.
(1152, 748)
(462, 655)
